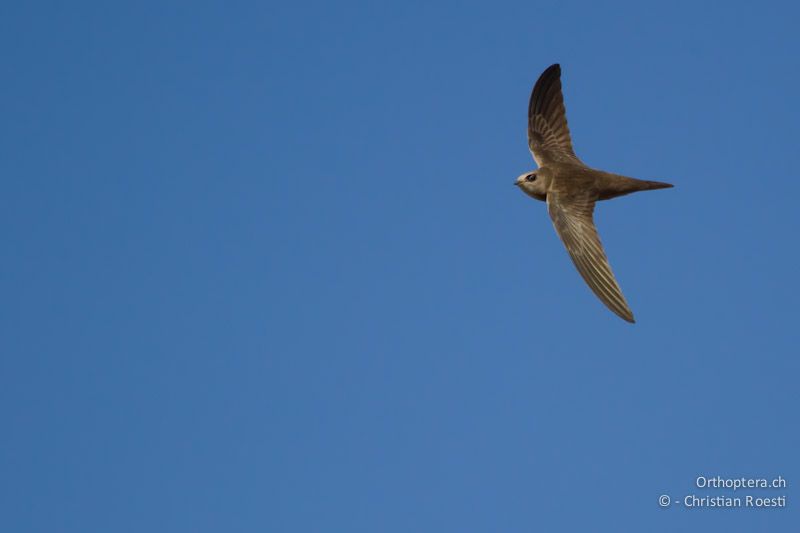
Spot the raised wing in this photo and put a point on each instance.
(573, 219)
(548, 133)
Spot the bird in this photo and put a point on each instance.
(571, 189)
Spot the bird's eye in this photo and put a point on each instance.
(530, 177)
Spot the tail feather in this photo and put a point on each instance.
(621, 185)
(652, 185)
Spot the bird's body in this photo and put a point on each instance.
(571, 189)
(604, 185)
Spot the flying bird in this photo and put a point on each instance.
(571, 189)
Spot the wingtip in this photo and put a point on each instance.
(627, 318)
(626, 315)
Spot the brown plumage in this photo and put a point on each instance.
(571, 189)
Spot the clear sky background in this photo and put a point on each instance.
(263, 267)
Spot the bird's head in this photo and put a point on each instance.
(533, 185)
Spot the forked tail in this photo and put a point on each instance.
(617, 185)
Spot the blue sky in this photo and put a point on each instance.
(263, 267)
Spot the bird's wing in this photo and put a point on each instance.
(548, 133)
(574, 223)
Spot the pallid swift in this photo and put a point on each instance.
(571, 189)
